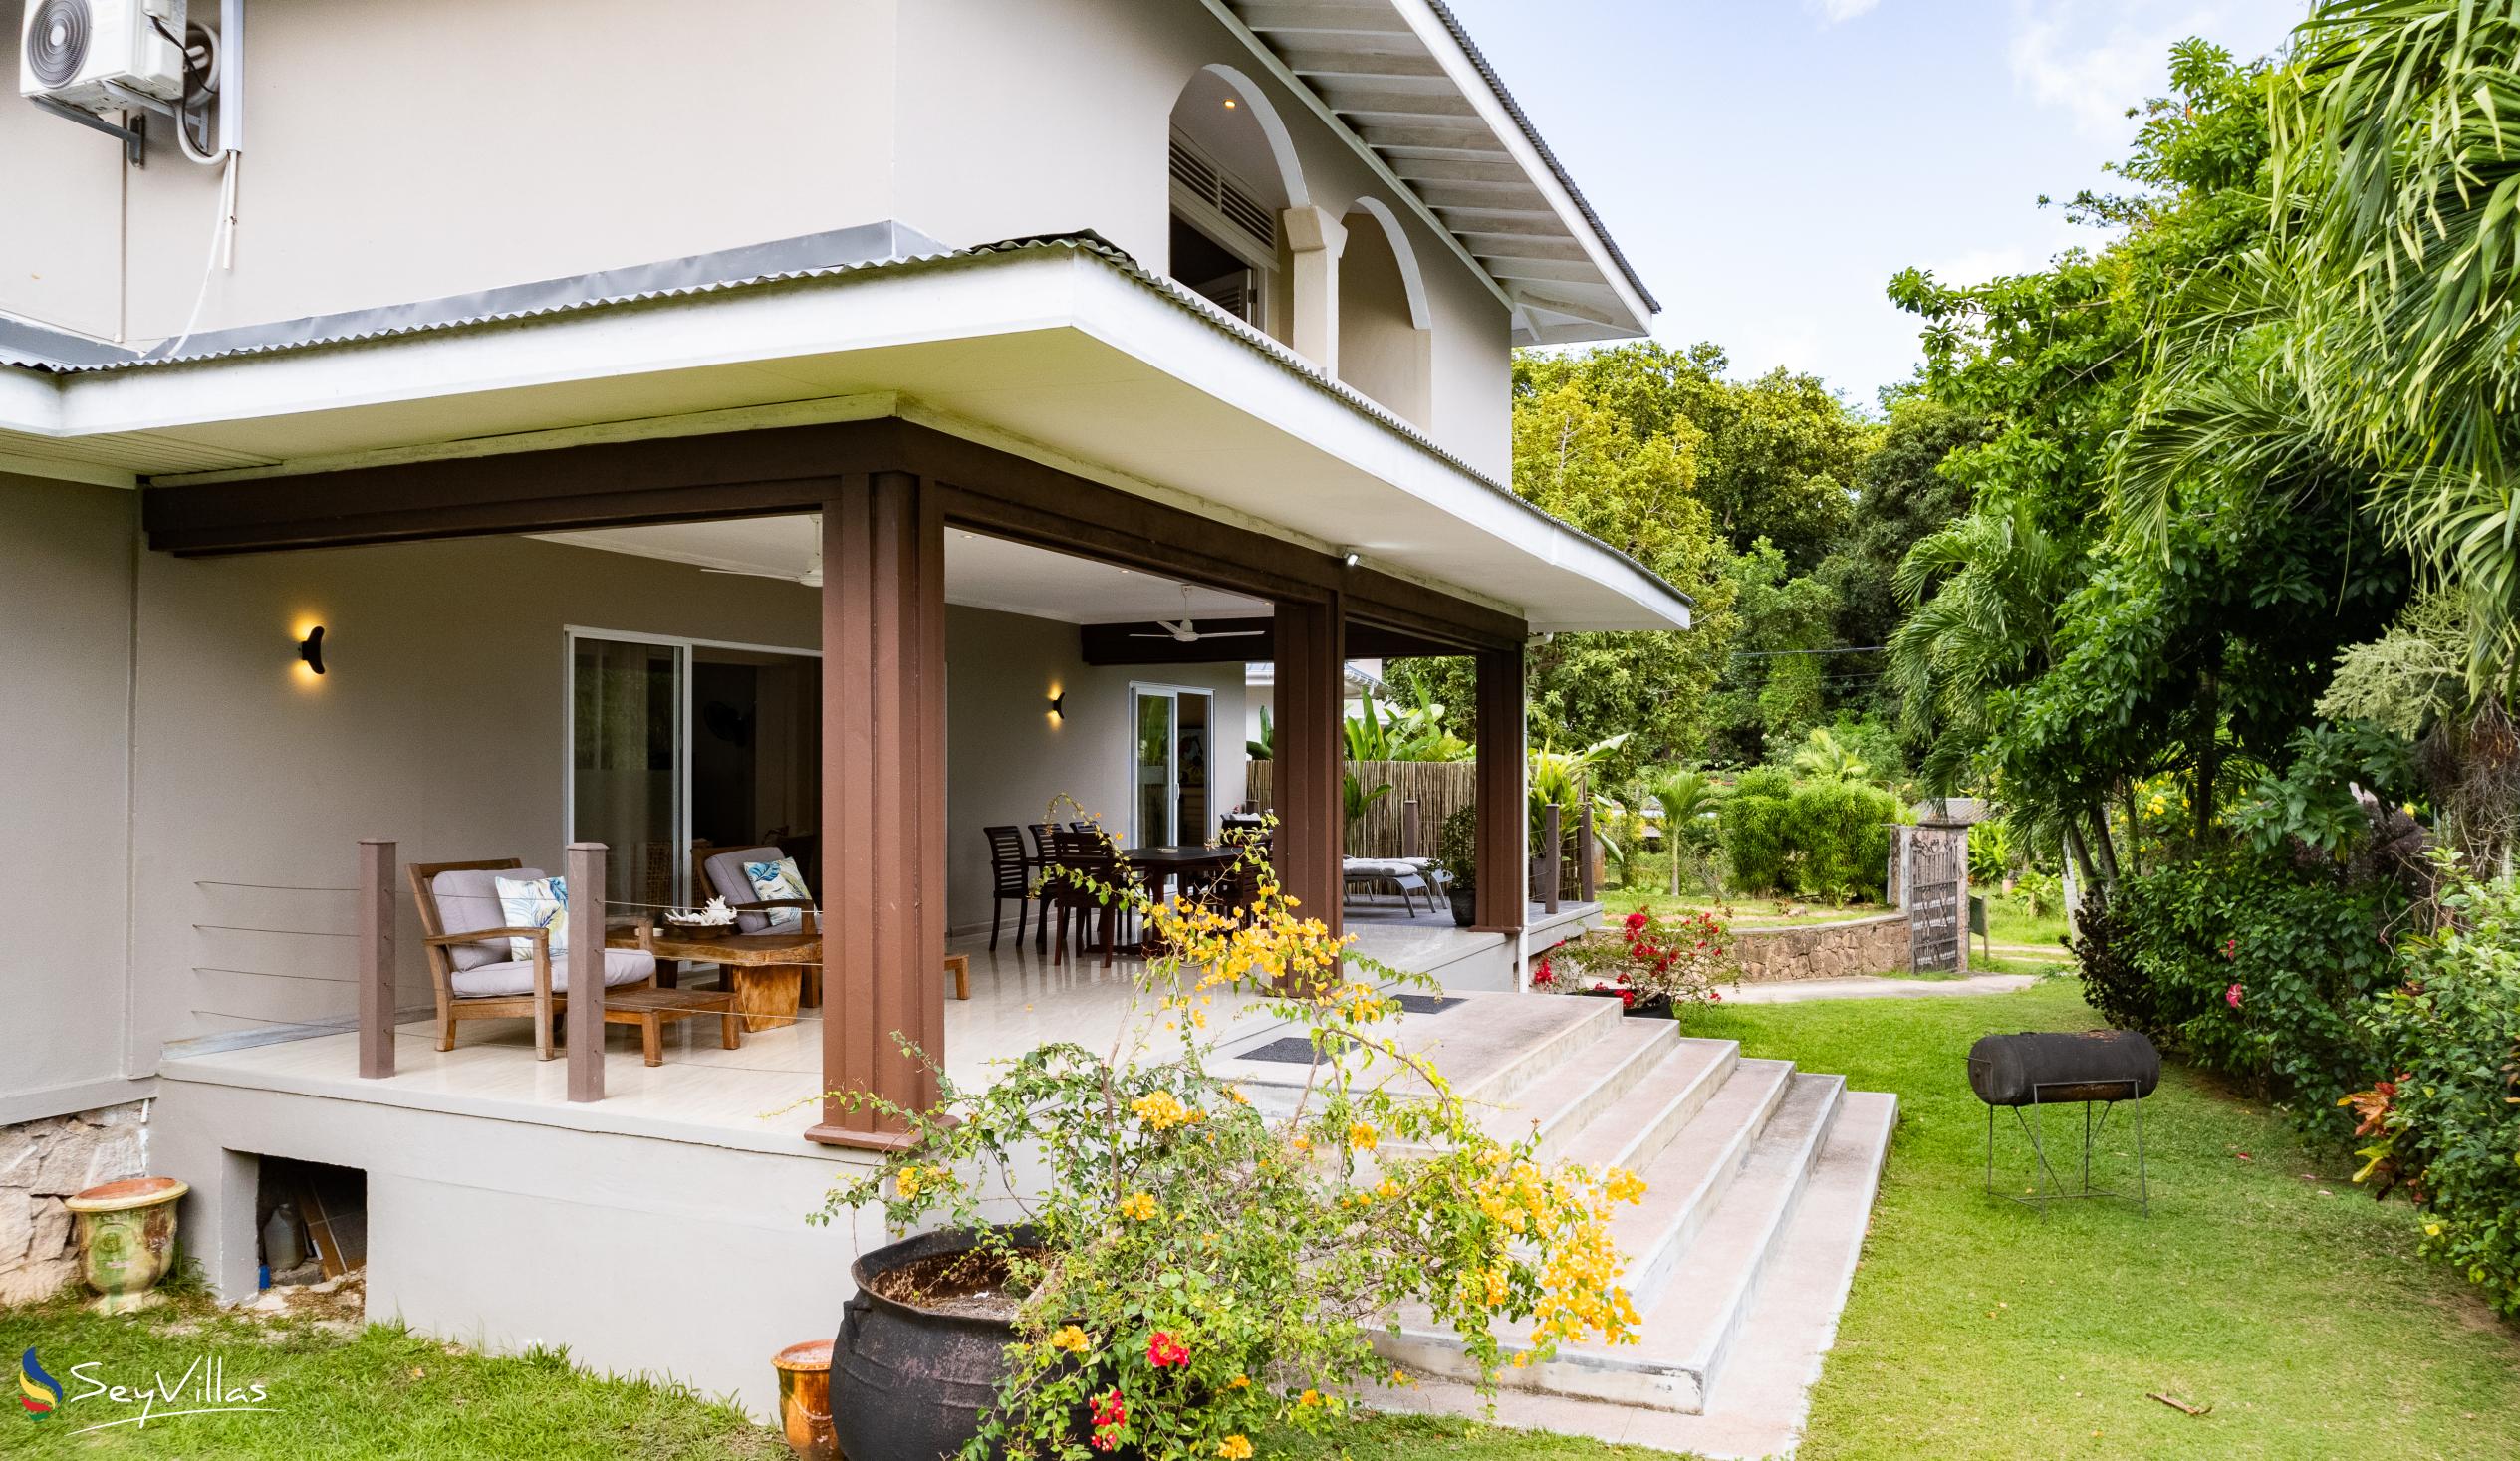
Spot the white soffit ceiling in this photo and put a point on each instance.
(1405, 79)
(981, 571)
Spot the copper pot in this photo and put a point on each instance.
(805, 1399)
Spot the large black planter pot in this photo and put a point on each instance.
(1656, 1008)
(910, 1383)
(1465, 905)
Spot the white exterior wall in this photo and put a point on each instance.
(66, 665)
(406, 150)
(1046, 118)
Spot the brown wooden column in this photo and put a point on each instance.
(1311, 642)
(1504, 872)
(376, 958)
(883, 800)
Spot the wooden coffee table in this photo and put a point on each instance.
(766, 971)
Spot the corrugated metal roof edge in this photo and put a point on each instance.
(374, 325)
(1531, 134)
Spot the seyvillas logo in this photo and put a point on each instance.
(39, 1393)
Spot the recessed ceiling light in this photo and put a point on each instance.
(1229, 104)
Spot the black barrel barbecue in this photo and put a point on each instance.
(2032, 1070)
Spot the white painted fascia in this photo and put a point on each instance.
(29, 401)
(1465, 78)
(994, 296)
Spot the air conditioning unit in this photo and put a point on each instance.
(93, 54)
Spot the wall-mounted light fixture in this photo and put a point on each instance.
(311, 649)
(1354, 558)
(1059, 706)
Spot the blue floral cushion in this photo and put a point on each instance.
(535, 902)
(772, 881)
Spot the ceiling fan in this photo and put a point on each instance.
(812, 578)
(1186, 633)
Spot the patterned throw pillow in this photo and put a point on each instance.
(535, 902)
(772, 881)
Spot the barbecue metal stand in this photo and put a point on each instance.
(2039, 1069)
(2051, 1187)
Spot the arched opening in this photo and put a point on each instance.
(1383, 325)
(1233, 174)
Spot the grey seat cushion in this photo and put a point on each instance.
(728, 880)
(468, 899)
(516, 976)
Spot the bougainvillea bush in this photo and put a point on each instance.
(2255, 964)
(1197, 1270)
(2445, 1123)
(1679, 955)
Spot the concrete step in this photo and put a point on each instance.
(1760, 1407)
(1697, 1254)
(1582, 1094)
(1658, 1107)
(1490, 1048)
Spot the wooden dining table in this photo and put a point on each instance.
(1186, 865)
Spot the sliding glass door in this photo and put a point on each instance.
(1168, 765)
(677, 741)
(628, 733)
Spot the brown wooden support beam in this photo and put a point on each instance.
(376, 958)
(1311, 704)
(1586, 845)
(1552, 869)
(1504, 869)
(584, 1020)
(883, 802)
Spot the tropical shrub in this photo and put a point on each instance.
(1457, 844)
(1197, 1273)
(1679, 956)
(2254, 964)
(1750, 826)
(1839, 835)
(2446, 1123)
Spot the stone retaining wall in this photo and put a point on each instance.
(1875, 945)
(42, 1162)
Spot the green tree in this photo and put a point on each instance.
(1776, 680)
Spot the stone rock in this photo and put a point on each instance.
(18, 1155)
(77, 1156)
(1877, 946)
(53, 1230)
(34, 1281)
(17, 1225)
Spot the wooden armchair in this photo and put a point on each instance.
(471, 962)
(719, 872)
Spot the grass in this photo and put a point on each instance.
(381, 1392)
(2009, 922)
(2263, 1283)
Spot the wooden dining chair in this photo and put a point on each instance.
(1082, 864)
(1010, 876)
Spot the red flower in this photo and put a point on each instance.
(2231, 996)
(2231, 948)
(1163, 1351)
(1542, 975)
(2387, 1087)
(1110, 1414)
(1636, 921)
(1715, 996)
(1623, 976)
(1628, 999)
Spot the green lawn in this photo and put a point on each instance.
(383, 1393)
(2007, 921)
(2263, 1285)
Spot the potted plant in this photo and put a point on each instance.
(1654, 965)
(1185, 1271)
(1458, 852)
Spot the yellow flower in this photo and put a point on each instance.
(1162, 1109)
(1302, 1143)
(907, 1180)
(1138, 1205)
(1235, 1447)
(1309, 1398)
(1361, 1137)
(1621, 1186)
(2433, 1230)
(1239, 1382)
(1072, 1340)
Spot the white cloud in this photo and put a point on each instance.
(2094, 59)
(1835, 12)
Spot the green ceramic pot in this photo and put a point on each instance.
(126, 1239)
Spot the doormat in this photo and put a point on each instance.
(1293, 1050)
(1428, 1004)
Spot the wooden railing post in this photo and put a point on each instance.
(1584, 853)
(1504, 814)
(585, 1019)
(1409, 827)
(376, 958)
(1551, 872)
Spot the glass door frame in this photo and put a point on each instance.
(683, 645)
(1146, 689)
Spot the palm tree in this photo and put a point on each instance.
(1824, 758)
(1687, 796)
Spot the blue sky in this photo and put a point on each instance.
(1768, 164)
